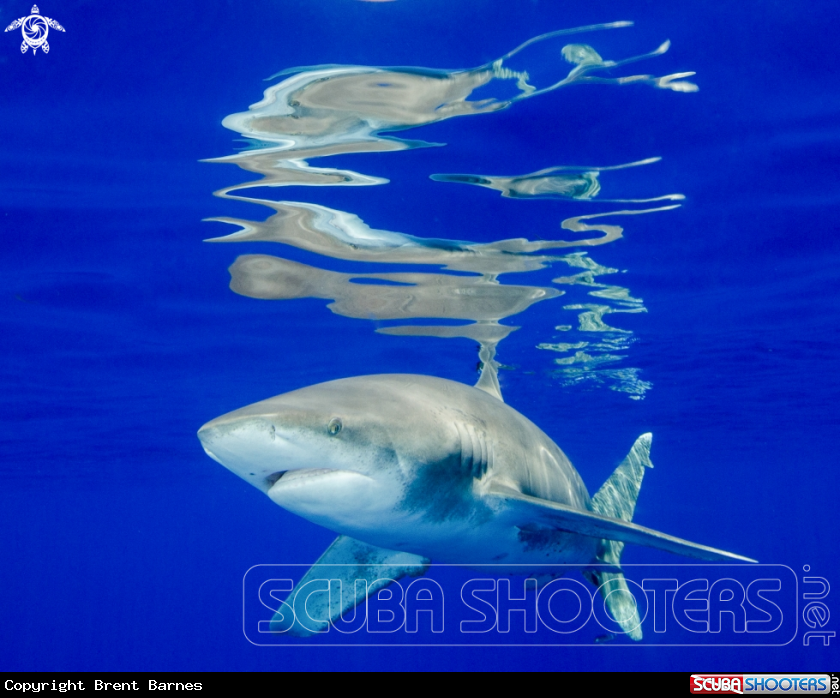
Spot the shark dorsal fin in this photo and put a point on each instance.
(488, 381)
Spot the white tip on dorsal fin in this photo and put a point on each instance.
(488, 381)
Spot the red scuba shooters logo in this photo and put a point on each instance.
(717, 683)
(790, 684)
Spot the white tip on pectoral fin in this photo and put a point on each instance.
(346, 574)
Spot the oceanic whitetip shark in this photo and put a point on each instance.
(410, 468)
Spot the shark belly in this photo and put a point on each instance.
(471, 534)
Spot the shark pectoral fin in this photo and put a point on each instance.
(526, 510)
(346, 574)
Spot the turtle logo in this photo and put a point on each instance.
(35, 28)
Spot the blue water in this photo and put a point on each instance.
(123, 546)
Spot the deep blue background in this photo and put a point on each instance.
(123, 546)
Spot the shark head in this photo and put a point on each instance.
(344, 454)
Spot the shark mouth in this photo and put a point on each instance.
(274, 477)
(295, 475)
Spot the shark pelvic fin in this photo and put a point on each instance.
(346, 574)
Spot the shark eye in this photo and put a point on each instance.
(334, 426)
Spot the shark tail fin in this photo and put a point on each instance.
(617, 499)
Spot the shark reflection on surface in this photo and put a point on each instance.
(574, 183)
(326, 110)
(331, 110)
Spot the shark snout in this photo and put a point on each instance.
(210, 435)
(247, 446)
(223, 434)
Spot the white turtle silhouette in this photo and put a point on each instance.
(35, 28)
